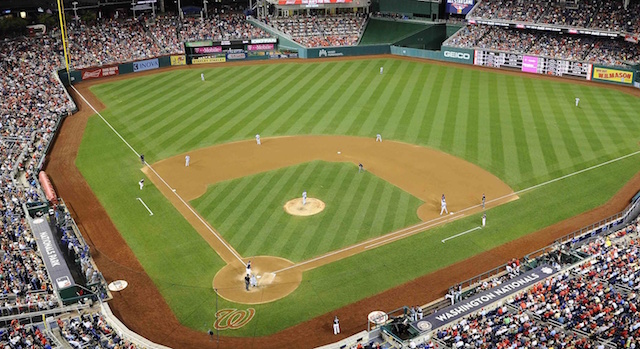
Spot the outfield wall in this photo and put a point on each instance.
(342, 51)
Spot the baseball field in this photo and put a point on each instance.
(446, 129)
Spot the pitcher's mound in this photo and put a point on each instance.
(296, 208)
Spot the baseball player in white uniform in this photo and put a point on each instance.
(336, 325)
(381, 70)
(248, 269)
(258, 139)
(577, 101)
(141, 183)
(443, 205)
(187, 159)
(202, 76)
(304, 198)
(378, 138)
(484, 219)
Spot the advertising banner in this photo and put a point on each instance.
(459, 55)
(264, 41)
(529, 64)
(211, 49)
(51, 254)
(261, 47)
(236, 54)
(94, 73)
(460, 7)
(179, 60)
(475, 303)
(612, 75)
(312, 2)
(146, 65)
(208, 59)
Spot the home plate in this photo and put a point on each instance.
(267, 278)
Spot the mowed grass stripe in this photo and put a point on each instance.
(614, 128)
(472, 137)
(385, 102)
(564, 143)
(417, 110)
(450, 119)
(592, 137)
(338, 108)
(305, 110)
(535, 99)
(240, 110)
(530, 152)
(583, 140)
(398, 112)
(368, 203)
(511, 166)
(461, 126)
(434, 126)
(186, 93)
(487, 133)
(301, 104)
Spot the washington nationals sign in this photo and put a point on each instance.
(233, 319)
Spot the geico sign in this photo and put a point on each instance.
(458, 55)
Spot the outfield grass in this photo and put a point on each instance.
(248, 212)
(523, 130)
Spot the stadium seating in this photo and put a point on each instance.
(318, 31)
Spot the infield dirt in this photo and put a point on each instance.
(142, 308)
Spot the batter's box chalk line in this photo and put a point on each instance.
(267, 278)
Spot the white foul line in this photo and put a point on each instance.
(147, 207)
(460, 234)
(206, 225)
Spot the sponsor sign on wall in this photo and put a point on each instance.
(475, 303)
(211, 49)
(312, 2)
(529, 64)
(146, 65)
(208, 59)
(94, 73)
(459, 55)
(612, 75)
(178, 60)
(260, 47)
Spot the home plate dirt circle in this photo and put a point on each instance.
(296, 208)
(229, 281)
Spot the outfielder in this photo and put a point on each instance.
(484, 219)
(141, 183)
(577, 101)
(378, 138)
(187, 159)
(258, 139)
(202, 76)
(443, 205)
(360, 168)
(304, 198)
(381, 70)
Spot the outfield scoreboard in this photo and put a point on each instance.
(209, 51)
(531, 64)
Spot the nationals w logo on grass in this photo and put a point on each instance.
(233, 319)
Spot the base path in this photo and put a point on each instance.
(142, 308)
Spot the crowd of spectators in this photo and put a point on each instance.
(165, 30)
(220, 27)
(32, 103)
(592, 14)
(91, 331)
(320, 31)
(547, 44)
(18, 336)
(109, 41)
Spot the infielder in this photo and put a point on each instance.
(336, 325)
(484, 199)
(360, 168)
(484, 219)
(381, 70)
(378, 138)
(142, 158)
(304, 198)
(141, 183)
(577, 101)
(202, 76)
(443, 205)
(258, 139)
(187, 159)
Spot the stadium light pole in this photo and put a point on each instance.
(205, 2)
(75, 10)
(179, 10)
